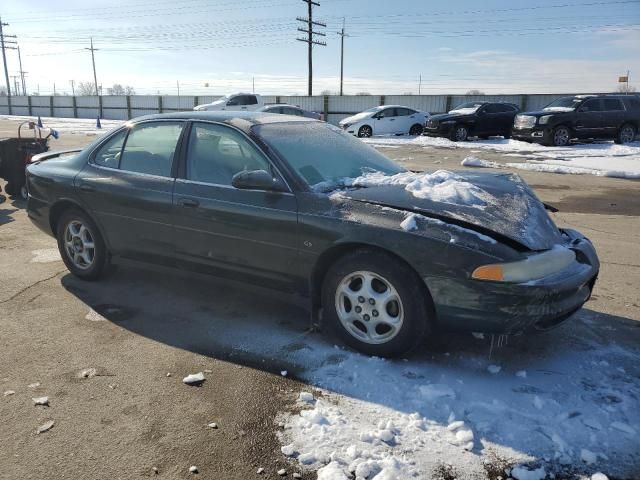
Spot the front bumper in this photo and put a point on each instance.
(535, 134)
(440, 130)
(503, 308)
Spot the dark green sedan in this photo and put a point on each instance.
(385, 256)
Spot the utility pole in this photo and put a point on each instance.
(419, 83)
(73, 87)
(253, 84)
(342, 35)
(310, 39)
(15, 83)
(178, 85)
(3, 46)
(54, 89)
(22, 72)
(93, 61)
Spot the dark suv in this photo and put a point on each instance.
(480, 119)
(580, 117)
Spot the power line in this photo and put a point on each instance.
(310, 41)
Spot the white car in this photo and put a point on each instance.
(237, 101)
(386, 120)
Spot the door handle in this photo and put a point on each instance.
(87, 188)
(188, 202)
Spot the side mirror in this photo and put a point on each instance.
(583, 109)
(257, 180)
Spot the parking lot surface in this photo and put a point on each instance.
(141, 330)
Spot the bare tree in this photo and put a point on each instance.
(326, 92)
(3, 92)
(118, 89)
(626, 88)
(86, 88)
(475, 92)
(362, 94)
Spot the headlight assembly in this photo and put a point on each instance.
(532, 268)
(544, 119)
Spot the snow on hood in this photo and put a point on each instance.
(441, 186)
(499, 205)
(464, 111)
(357, 117)
(558, 109)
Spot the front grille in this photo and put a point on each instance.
(432, 124)
(524, 121)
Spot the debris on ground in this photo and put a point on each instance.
(282, 472)
(284, 373)
(87, 373)
(168, 374)
(523, 473)
(297, 475)
(41, 401)
(9, 392)
(34, 385)
(288, 450)
(193, 469)
(260, 470)
(213, 425)
(45, 427)
(521, 374)
(155, 470)
(195, 379)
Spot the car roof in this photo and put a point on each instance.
(281, 105)
(240, 119)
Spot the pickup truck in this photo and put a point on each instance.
(237, 101)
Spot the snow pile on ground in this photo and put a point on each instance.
(406, 419)
(598, 158)
(440, 186)
(69, 126)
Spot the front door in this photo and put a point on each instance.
(589, 121)
(128, 186)
(384, 122)
(612, 115)
(245, 234)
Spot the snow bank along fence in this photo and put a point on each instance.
(334, 107)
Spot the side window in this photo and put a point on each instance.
(492, 108)
(403, 112)
(150, 148)
(108, 155)
(503, 108)
(234, 101)
(387, 112)
(250, 100)
(592, 105)
(612, 104)
(216, 153)
(634, 103)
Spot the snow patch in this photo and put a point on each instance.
(523, 473)
(46, 255)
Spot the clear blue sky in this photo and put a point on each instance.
(497, 46)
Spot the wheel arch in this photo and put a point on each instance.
(334, 253)
(61, 206)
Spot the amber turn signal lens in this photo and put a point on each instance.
(489, 272)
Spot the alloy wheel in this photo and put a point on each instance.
(627, 134)
(561, 137)
(369, 307)
(79, 244)
(461, 133)
(365, 131)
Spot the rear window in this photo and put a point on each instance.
(633, 103)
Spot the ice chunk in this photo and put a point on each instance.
(588, 456)
(45, 426)
(194, 379)
(332, 471)
(623, 427)
(494, 369)
(521, 373)
(599, 476)
(306, 397)
(288, 450)
(409, 223)
(41, 401)
(436, 391)
(523, 473)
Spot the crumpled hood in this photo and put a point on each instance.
(509, 209)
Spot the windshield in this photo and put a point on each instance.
(468, 107)
(564, 103)
(323, 155)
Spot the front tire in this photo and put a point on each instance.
(626, 134)
(560, 136)
(416, 129)
(459, 133)
(375, 304)
(80, 244)
(365, 131)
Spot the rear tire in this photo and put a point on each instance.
(626, 134)
(416, 129)
(81, 246)
(459, 133)
(365, 131)
(375, 304)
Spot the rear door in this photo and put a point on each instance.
(247, 234)
(128, 185)
(488, 120)
(405, 119)
(505, 116)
